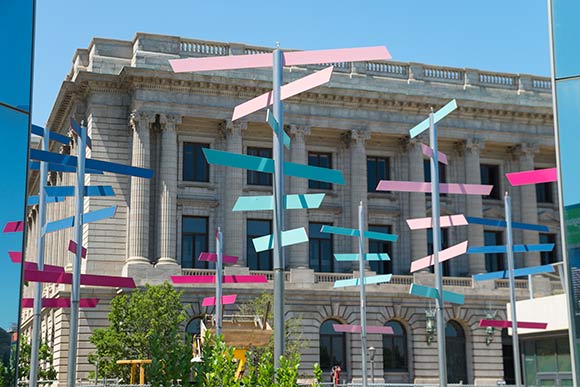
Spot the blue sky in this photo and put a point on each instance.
(497, 35)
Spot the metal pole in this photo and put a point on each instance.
(76, 278)
(530, 287)
(278, 152)
(35, 344)
(436, 248)
(363, 306)
(218, 281)
(510, 257)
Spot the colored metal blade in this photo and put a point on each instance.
(347, 328)
(51, 268)
(414, 186)
(517, 273)
(537, 176)
(35, 166)
(212, 257)
(226, 300)
(77, 129)
(17, 226)
(377, 279)
(368, 257)
(444, 221)
(503, 224)
(426, 291)
(39, 131)
(288, 90)
(274, 125)
(517, 249)
(91, 190)
(428, 151)
(292, 202)
(86, 279)
(295, 58)
(227, 279)
(34, 200)
(262, 164)
(355, 233)
(444, 255)
(88, 217)
(290, 237)
(438, 116)
(72, 247)
(508, 324)
(60, 302)
(15, 256)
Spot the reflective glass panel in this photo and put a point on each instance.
(566, 34)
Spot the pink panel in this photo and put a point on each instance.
(444, 221)
(226, 300)
(347, 328)
(15, 256)
(293, 88)
(290, 59)
(72, 247)
(86, 279)
(444, 255)
(533, 177)
(412, 186)
(427, 151)
(380, 330)
(193, 279)
(17, 226)
(212, 257)
(244, 279)
(60, 302)
(508, 324)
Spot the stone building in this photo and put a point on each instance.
(139, 112)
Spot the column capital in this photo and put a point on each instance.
(169, 121)
(469, 146)
(298, 131)
(141, 119)
(228, 128)
(526, 149)
(407, 144)
(356, 137)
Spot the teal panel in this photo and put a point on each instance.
(355, 233)
(310, 172)
(426, 291)
(292, 202)
(377, 279)
(380, 236)
(290, 237)
(274, 125)
(438, 116)
(368, 257)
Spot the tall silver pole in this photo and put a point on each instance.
(435, 213)
(218, 282)
(278, 151)
(76, 277)
(510, 257)
(35, 345)
(363, 306)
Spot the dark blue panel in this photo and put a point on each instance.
(35, 166)
(503, 224)
(39, 131)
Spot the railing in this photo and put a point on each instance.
(443, 73)
(538, 83)
(203, 48)
(458, 281)
(331, 277)
(498, 79)
(505, 284)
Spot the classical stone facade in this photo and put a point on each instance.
(139, 112)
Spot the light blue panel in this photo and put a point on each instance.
(439, 115)
(377, 279)
(517, 249)
(502, 223)
(355, 233)
(262, 164)
(454, 298)
(274, 125)
(292, 202)
(95, 190)
(59, 224)
(368, 257)
(517, 273)
(426, 291)
(290, 237)
(88, 217)
(33, 200)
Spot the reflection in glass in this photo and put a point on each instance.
(194, 241)
(320, 244)
(332, 347)
(256, 228)
(566, 31)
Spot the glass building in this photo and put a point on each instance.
(16, 40)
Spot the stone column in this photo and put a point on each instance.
(416, 200)
(233, 229)
(167, 241)
(358, 184)
(139, 205)
(474, 203)
(528, 202)
(297, 255)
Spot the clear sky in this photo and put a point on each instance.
(497, 35)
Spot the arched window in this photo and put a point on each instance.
(193, 328)
(332, 347)
(395, 349)
(456, 354)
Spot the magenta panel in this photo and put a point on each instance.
(226, 300)
(86, 279)
(60, 302)
(444, 221)
(193, 279)
(508, 324)
(245, 279)
(533, 177)
(51, 268)
(72, 247)
(428, 151)
(15, 256)
(17, 226)
(413, 186)
(444, 255)
(212, 257)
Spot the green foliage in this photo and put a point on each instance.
(45, 357)
(259, 370)
(6, 375)
(218, 366)
(317, 371)
(144, 324)
(287, 375)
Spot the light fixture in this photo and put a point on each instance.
(490, 331)
(430, 326)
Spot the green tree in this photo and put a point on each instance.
(218, 366)
(145, 324)
(46, 370)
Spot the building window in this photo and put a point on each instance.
(490, 176)
(444, 245)
(395, 349)
(456, 353)
(254, 229)
(323, 160)
(377, 246)
(427, 174)
(332, 347)
(259, 178)
(194, 240)
(378, 168)
(548, 257)
(545, 193)
(195, 166)
(321, 257)
(495, 261)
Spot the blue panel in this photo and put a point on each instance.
(292, 202)
(438, 116)
(39, 131)
(35, 166)
(517, 273)
(97, 190)
(355, 233)
(377, 279)
(368, 257)
(59, 224)
(380, 236)
(566, 31)
(517, 249)
(274, 125)
(503, 224)
(262, 164)
(105, 166)
(426, 291)
(78, 130)
(290, 237)
(88, 217)
(33, 200)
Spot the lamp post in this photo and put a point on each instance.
(372, 351)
